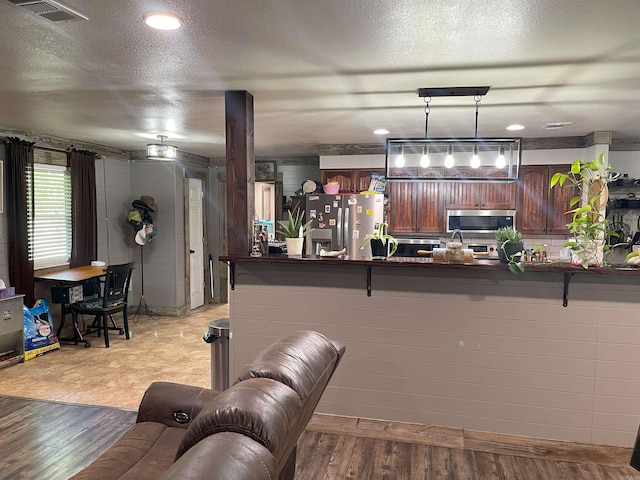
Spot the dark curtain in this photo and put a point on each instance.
(19, 160)
(84, 245)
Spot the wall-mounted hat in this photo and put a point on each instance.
(141, 206)
(309, 186)
(148, 200)
(141, 237)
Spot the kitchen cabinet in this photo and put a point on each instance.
(350, 180)
(488, 195)
(416, 207)
(542, 210)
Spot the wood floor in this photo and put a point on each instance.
(42, 439)
(49, 440)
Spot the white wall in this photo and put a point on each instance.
(164, 264)
(625, 162)
(488, 351)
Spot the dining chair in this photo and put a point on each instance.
(113, 300)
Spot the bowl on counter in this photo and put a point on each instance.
(331, 188)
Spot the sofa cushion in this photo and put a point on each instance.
(145, 451)
(300, 360)
(225, 456)
(265, 410)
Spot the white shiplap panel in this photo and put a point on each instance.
(490, 352)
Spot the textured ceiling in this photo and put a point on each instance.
(320, 71)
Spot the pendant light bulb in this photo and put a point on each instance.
(448, 161)
(500, 161)
(424, 160)
(475, 159)
(400, 159)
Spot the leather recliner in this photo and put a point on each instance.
(248, 431)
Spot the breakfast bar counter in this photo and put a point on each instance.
(469, 347)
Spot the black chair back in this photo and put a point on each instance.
(116, 286)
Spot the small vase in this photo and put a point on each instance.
(294, 246)
(510, 248)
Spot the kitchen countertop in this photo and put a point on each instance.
(422, 262)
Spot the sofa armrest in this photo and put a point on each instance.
(173, 404)
(264, 410)
(225, 456)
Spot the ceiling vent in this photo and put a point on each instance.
(50, 10)
(556, 125)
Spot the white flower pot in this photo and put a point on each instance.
(294, 246)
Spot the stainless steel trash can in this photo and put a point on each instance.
(218, 336)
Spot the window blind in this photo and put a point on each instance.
(50, 222)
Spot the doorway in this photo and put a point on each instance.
(196, 242)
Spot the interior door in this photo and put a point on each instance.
(196, 243)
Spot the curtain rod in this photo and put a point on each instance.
(59, 150)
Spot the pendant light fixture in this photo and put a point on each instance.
(449, 162)
(424, 160)
(500, 161)
(476, 159)
(162, 151)
(400, 158)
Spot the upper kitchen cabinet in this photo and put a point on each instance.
(351, 180)
(416, 207)
(489, 195)
(541, 210)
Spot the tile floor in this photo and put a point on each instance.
(164, 349)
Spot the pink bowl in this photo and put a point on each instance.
(331, 189)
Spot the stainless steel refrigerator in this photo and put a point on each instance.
(341, 221)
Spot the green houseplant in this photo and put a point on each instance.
(588, 223)
(294, 229)
(378, 240)
(509, 246)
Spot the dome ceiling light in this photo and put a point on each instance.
(161, 151)
(471, 159)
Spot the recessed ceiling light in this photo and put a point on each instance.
(381, 131)
(515, 126)
(163, 21)
(556, 125)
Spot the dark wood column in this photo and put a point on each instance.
(240, 170)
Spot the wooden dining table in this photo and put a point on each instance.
(72, 276)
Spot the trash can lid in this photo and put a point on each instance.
(219, 328)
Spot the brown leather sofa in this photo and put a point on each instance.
(248, 431)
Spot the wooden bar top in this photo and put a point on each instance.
(421, 262)
(77, 274)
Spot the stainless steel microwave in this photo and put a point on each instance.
(480, 221)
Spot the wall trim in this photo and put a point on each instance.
(474, 440)
(543, 143)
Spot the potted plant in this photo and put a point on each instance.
(294, 230)
(509, 245)
(382, 244)
(588, 223)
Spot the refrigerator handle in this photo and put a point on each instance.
(339, 229)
